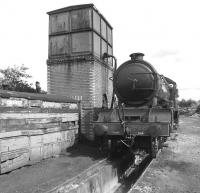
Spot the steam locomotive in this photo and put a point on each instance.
(144, 108)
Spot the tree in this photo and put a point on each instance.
(187, 103)
(14, 79)
(198, 109)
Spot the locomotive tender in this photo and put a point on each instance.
(144, 108)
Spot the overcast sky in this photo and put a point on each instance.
(166, 31)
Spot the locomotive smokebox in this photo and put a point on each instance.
(136, 82)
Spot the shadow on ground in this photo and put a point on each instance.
(86, 150)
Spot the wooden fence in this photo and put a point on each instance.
(35, 127)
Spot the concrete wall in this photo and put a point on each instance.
(35, 127)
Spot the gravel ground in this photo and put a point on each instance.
(177, 168)
(47, 174)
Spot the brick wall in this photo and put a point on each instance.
(72, 79)
(87, 79)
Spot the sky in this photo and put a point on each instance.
(166, 31)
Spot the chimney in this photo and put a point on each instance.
(137, 56)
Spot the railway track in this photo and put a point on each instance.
(133, 171)
(110, 175)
